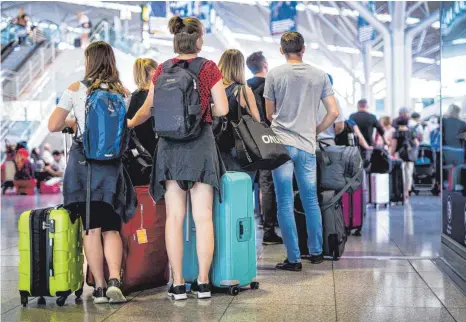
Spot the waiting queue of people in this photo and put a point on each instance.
(297, 99)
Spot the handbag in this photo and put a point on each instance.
(137, 162)
(257, 146)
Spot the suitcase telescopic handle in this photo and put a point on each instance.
(188, 204)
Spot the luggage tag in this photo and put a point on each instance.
(141, 233)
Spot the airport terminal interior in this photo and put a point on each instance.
(398, 60)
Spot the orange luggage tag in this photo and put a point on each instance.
(141, 232)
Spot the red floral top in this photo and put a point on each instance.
(208, 77)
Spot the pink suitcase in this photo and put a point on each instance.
(353, 210)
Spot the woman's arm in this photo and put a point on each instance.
(144, 113)
(220, 107)
(362, 140)
(393, 146)
(248, 99)
(57, 120)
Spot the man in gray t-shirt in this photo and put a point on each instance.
(293, 94)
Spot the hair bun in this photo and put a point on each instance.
(175, 25)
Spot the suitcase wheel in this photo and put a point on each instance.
(61, 301)
(233, 290)
(41, 301)
(24, 299)
(78, 294)
(357, 232)
(255, 285)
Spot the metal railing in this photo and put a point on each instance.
(14, 84)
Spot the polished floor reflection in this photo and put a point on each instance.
(387, 274)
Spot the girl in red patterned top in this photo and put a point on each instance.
(193, 166)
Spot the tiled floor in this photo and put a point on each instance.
(386, 275)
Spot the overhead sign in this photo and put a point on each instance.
(198, 9)
(452, 11)
(282, 16)
(158, 9)
(366, 32)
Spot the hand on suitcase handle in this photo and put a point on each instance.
(67, 130)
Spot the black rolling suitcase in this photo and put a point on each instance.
(300, 219)
(396, 182)
(333, 225)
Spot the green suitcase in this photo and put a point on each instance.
(50, 255)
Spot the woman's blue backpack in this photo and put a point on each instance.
(105, 135)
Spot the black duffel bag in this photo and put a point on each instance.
(257, 146)
(137, 162)
(338, 165)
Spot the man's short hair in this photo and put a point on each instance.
(362, 102)
(255, 62)
(403, 110)
(292, 42)
(402, 121)
(415, 115)
(56, 152)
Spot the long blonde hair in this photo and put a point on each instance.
(142, 70)
(232, 66)
(101, 68)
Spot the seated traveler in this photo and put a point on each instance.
(293, 93)
(193, 166)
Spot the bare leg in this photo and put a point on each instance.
(95, 256)
(113, 249)
(202, 203)
(175, 201)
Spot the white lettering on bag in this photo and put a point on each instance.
(271, 139)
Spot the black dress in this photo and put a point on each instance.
(144, 132)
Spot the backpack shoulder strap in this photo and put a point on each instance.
(167, 65)
(196, 65)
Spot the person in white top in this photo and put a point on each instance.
(85, 24)
(113, 198)
(47, 156)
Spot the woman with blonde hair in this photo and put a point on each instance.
(232, 65)
(113, 198)
(143, 71)
(193, 166)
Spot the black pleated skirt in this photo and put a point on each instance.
(187, 162)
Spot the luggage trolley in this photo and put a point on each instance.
(424, 176)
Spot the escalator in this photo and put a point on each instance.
(9, 40)
(15, 54)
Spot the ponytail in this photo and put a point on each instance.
(142, 71)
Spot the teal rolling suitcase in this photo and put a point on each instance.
(234, 264)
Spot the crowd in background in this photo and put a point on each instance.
(22, 164)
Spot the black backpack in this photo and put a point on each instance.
(407, 150)
(347, 137)
(177, 109)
